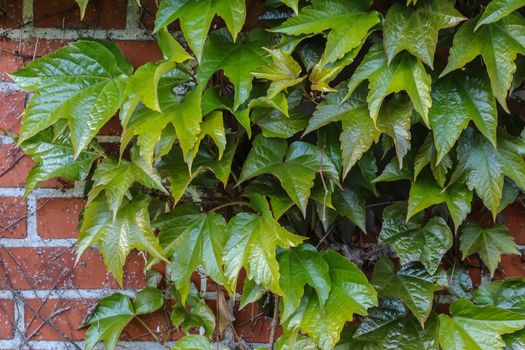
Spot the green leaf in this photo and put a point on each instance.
(252, 241)
(425, 192)
(348, 342)
(192, 239)
(413, 285)
(236, 59)
(205, 160)
(350, 294)
(508, 294)
(480, 166)
(283, 72)
(193, 342)
(83, 83)
(298, 267)
(274, 123)
(114, 179)
(515, 341)
(511, 150)
(116, 237)
(403, 29)
(358, 133)
(459, 282)
(55, 158)
(108, 320)
(457, 100)
(392, 324)
(251, 292)
(489, 243)
(476, 327)
(498, 9)
(498, 43)
(351, 205)
(195, 313)
(295, 166)
(195, 18)
(348, 22)
(427, 155)
(187, 118)
(412, 240)
(83, 5)
(171, 48)
(404, 73)
(147, 301)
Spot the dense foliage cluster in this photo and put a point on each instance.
(348, 155)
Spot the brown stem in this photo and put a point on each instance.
(275, 320)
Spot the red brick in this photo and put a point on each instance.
(10, 13)
(13, 223)
(7, 319)
(15, 166)
(58, 218)
(54, 268)
(513, 265)
(12, 105)
(147, 16)
(56, 319)
(111, 128)
(139, 52)
(515, 221)
(66, 14)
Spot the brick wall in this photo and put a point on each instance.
(43, 295)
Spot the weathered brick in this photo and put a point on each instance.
(13, 223)
(515, 221)
(12, 105)
(10, 13)
(513, 265)
(66, 14)
(54, 267)
(7, 319)
(58, 218)
(139, 52)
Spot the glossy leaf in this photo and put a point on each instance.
(83, 83)
(193, 342)
(498, 9)
(403, 29)
(506, 294)
(412, 240)
(476, 327)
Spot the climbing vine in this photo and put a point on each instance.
(351, 157)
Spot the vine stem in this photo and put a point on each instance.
(239, 203)
(275, 320)
(148, 329)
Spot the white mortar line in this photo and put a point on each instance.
(8, 86)
(69, 34)
(108, 139)
(27, 11)
(32, 232)
(75, 192)
(132, 15)
(37, 242)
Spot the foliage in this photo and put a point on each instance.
(273, 140)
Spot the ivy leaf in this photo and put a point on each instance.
(511, 150)
(412, 285)
(147, 301)
(514, 341)
(236, 59)
(116, 237)
(83, 82)
(55, 158)
(274, 123)
(252, 241)
(298, 267)
(457, 100)
(489, 243)
(187, 118)
(115, 179)
(350, 293)
(83, 5)
(351, 205)
(283, 72)
(395, 327)
(358, 133)
(294, 166)
(460, 282)
(476, 327)
(195, 18)
(192, 239)
(107, 322)
(171, 49)
(480, 165)
(412, 240)
(427, 154)
(205, 160)
(293, 4)
(425, 192)
(251, 292)
(508, 294)
(348, 22)
(403, 28)
(498, 43)
(349, 342)
(196, 313)
(193, 342)
(498, 9)
(404, 73)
